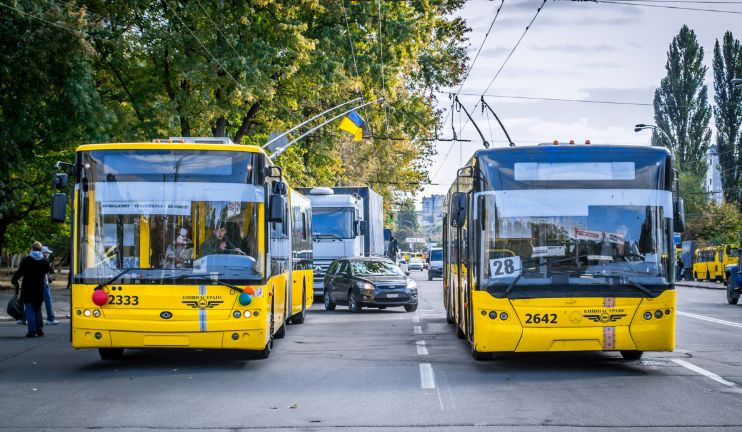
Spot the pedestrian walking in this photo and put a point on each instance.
(48, 289)
(33, 271)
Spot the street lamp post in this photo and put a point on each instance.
(642, 126)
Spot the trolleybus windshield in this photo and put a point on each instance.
(572, 232)
(169, 215)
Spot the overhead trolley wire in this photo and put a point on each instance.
(255, 74)
(664, 6)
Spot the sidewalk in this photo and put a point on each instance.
(60, 300)
(704, 285)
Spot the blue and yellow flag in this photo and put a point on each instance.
(352, 123)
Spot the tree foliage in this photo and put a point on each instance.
(718, 224)
(407, 225)
(728, 115)
(681, 107)
(98, 70)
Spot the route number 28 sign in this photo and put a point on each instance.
(505, 267)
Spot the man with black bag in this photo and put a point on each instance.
(33, 271)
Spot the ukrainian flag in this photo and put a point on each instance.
(352, 123)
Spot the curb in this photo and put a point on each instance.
(712, 286)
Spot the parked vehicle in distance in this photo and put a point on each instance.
(435, 263)
(711, 262)
(368, 282)
(733, 277)
(415, 264)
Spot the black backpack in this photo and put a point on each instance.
(15, 308)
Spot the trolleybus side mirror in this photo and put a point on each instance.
(679, 214)
(458, 209)
(275, 212)
(60, 180)
(59, 207)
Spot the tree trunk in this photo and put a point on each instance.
(220, 130)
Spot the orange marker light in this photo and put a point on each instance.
(571, 142)
(587, 142)
(250, 290)
(555, 142)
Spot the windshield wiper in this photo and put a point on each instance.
(316, 236)
(205, 277)
(632, 283)
(110, 281)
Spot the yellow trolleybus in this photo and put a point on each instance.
(563, 248)
(183, 244)
(710, 262)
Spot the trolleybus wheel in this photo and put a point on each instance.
(264, 353)
(329, 304)
(732, 295)
(459, 333)
(449, 318)
(281, 331)
(632, 355)
(111, 353)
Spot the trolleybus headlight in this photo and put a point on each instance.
(658, 314)
(246, 314)
(86, 312)
(504, 316)
(647, 315)
(493, 315)
(96, 313)
(99, 297)
(236, 314)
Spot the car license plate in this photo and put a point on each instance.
(392, 295)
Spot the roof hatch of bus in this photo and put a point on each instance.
(321, 191)
(556, 142)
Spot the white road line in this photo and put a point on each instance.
(418, 329)
(421, 348)
(709, 319)
(415, 318)
(704, 372)
(427, 378)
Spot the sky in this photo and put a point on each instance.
(572, 51)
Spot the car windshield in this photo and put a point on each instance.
(375, 268)
(169, 215)
(550, 239)
(332, 222)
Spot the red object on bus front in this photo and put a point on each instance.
(99, 297)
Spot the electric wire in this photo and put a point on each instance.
(665, 6)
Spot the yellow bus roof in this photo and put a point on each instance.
(170, 146)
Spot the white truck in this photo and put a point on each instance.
(346, 222)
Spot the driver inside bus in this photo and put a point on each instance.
(218, 243)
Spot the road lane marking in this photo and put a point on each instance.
(704, 372)
(709, 319)
(427, 378)
(418, 330)
(421, 348)
(415, 318)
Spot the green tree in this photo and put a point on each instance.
(407, 225)
(728, 115)
(48, 104)
(720, 223)
(681, 106)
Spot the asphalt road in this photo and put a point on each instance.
(381, 370)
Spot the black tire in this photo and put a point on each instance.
(111, 353)
(732, 295)
(354, 306)
(460, 333)
(410, 308)
(632, 355)
(449, 318)
(430, 276)
(329, 304)
(382, 307)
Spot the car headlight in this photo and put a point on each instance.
(366, 286)
(411, 284)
